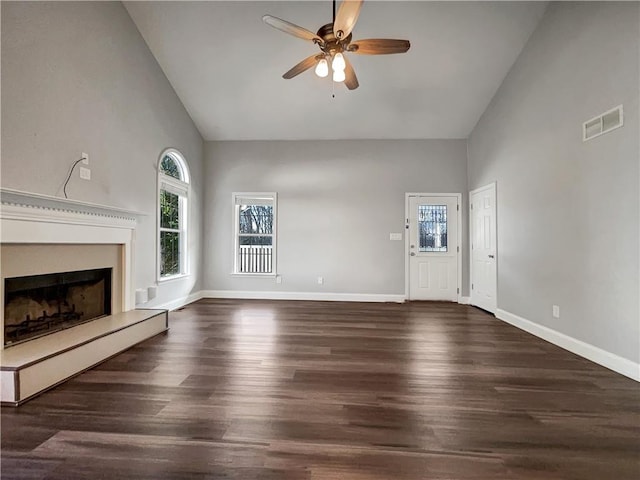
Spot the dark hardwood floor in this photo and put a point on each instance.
(316, 390)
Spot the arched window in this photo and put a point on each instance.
(173, 206)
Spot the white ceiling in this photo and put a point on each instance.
(226, 66)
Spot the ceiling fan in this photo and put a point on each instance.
(334, 40)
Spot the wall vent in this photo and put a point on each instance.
(604, 123)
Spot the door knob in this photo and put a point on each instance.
(491, 256)
(413, 254)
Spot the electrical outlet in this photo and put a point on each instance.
(320, 280)
(278, 279)
(556, 311)
(85, 158)
(85, 173)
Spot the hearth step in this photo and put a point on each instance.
(30, 368)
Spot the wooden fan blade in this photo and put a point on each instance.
(351, 81)
(346, 17)
(291, 29)
(304, 65)
(379, 46)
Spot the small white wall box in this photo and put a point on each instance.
(152, 292)
(603, 123)
(141, 296)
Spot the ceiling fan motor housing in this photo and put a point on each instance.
(331, 43)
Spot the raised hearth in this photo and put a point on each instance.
(32, 367)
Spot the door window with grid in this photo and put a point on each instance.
(432, 228)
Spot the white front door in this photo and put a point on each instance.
(483, 248)
(433, 247)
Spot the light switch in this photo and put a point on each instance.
(85, 173)
(395, 236)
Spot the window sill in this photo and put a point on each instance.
(257, 275)
(173, 277)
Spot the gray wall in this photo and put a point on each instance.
(337, 203)
(568, 211)
(78, 77)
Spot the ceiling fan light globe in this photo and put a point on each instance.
(322, 68)
(338, 62)
(339, 76)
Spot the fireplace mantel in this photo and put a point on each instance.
(19, 205)
(31, 218)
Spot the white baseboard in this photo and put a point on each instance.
(609, 360)
(181, 302)
(318, 296)
(321, 296)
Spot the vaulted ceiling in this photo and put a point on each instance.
(226, 66)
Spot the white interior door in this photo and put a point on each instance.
(433, 247)
(483, 229)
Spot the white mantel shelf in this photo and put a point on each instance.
(17, 204)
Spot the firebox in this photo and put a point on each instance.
(37, 305)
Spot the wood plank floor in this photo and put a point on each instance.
(315, 390)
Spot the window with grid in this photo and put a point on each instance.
(255, 233)
(173, 196)
(432, 228)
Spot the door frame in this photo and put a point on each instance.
(489, 186)
(407, 243)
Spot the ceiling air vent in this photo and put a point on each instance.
(604, 123)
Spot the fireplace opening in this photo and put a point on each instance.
(41, 304)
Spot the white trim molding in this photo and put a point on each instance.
(318, 296)
(181, 302)
(25, 206)
(597, 355)
(266, 295)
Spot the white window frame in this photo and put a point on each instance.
(272, 197)
(182, 189)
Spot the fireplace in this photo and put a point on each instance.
(57, 241)
(37, 305)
